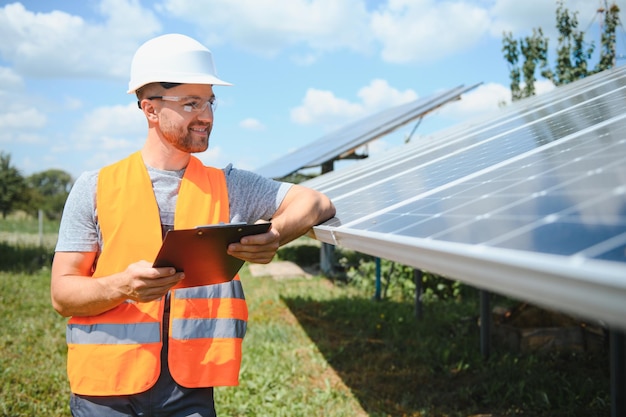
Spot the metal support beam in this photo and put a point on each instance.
(377, 294)
(618, 373)
(485, 323)
(327, 259)
(418, 277)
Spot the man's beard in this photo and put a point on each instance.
(186, 141)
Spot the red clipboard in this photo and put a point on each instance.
(201, 252)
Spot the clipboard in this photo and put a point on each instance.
(201, 252)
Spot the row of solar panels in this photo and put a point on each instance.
(530, 202)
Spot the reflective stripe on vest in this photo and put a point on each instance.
(226, 290)
(201, 328)
(118, 352)
(185, 329)
(108, 333)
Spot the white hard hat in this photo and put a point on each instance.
(172, 58)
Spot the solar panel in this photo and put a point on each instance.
(530, 202)
(356, 134)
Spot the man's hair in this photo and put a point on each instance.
(148, 89)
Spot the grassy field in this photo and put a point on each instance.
(320, 348)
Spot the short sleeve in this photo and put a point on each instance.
(78, 231)
(251, 196)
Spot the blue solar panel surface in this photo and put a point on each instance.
(545, 176)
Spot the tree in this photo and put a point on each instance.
(611, 21)
(511, 55)
(48, 191)
(12, 185)
(573, 53)
(535, 51)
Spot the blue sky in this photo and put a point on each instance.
(300, 69)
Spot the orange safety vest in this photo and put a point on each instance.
(118, 352)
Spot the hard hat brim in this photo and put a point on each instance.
(198, 79)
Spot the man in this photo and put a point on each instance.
(135, 346)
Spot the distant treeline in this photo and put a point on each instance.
(46, 190)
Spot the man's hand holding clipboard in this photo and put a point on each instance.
(257, 248)
(210, 254)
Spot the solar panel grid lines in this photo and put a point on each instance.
(464, 202)
(472, 152)
(408, 156)
(448, 135)
(515, 110)
(609, 248)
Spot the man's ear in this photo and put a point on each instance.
(149, 110)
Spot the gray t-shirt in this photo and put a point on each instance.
(251, 197)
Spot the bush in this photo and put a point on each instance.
(359, 270)
(397, 281)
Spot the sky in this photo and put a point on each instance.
(299, 68)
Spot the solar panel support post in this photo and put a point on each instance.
(418, 277)
(327, 251)
(618, 373)
(485, 323)
(327, 259)
(378, 284)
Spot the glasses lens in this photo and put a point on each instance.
(193, 104)
(199, 106)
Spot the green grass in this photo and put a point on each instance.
(32, 342)
(317, 348)
(396, 366)
(283, 371)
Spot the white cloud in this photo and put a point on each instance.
(269, 26)
(251, 124)
(323, 107)
(379, 94)
(304, 60)
(102, 136)
(543, 86)
(483, 99)
(10, 80)
(520, 17)
(26, 119)
(72, 103)
(13, 138)
(58, 44)
(109, 143)
(405, 30)
(318, 105)
(120, 129)
(426, 30)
